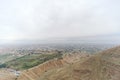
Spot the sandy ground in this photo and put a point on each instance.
(6, 74)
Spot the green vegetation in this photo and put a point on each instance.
(6, 57)
(29, 61)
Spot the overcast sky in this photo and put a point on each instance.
(42, 19)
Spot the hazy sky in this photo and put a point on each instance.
(41, 19)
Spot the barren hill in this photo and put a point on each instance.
(102, 66)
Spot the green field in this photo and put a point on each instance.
(29, 61)
(6, 57)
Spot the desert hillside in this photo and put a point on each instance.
(102, 66)
(36, 72)
(7, 74)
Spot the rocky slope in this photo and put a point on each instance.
(102, 66)
(36, 72)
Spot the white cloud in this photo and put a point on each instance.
(39, 19)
